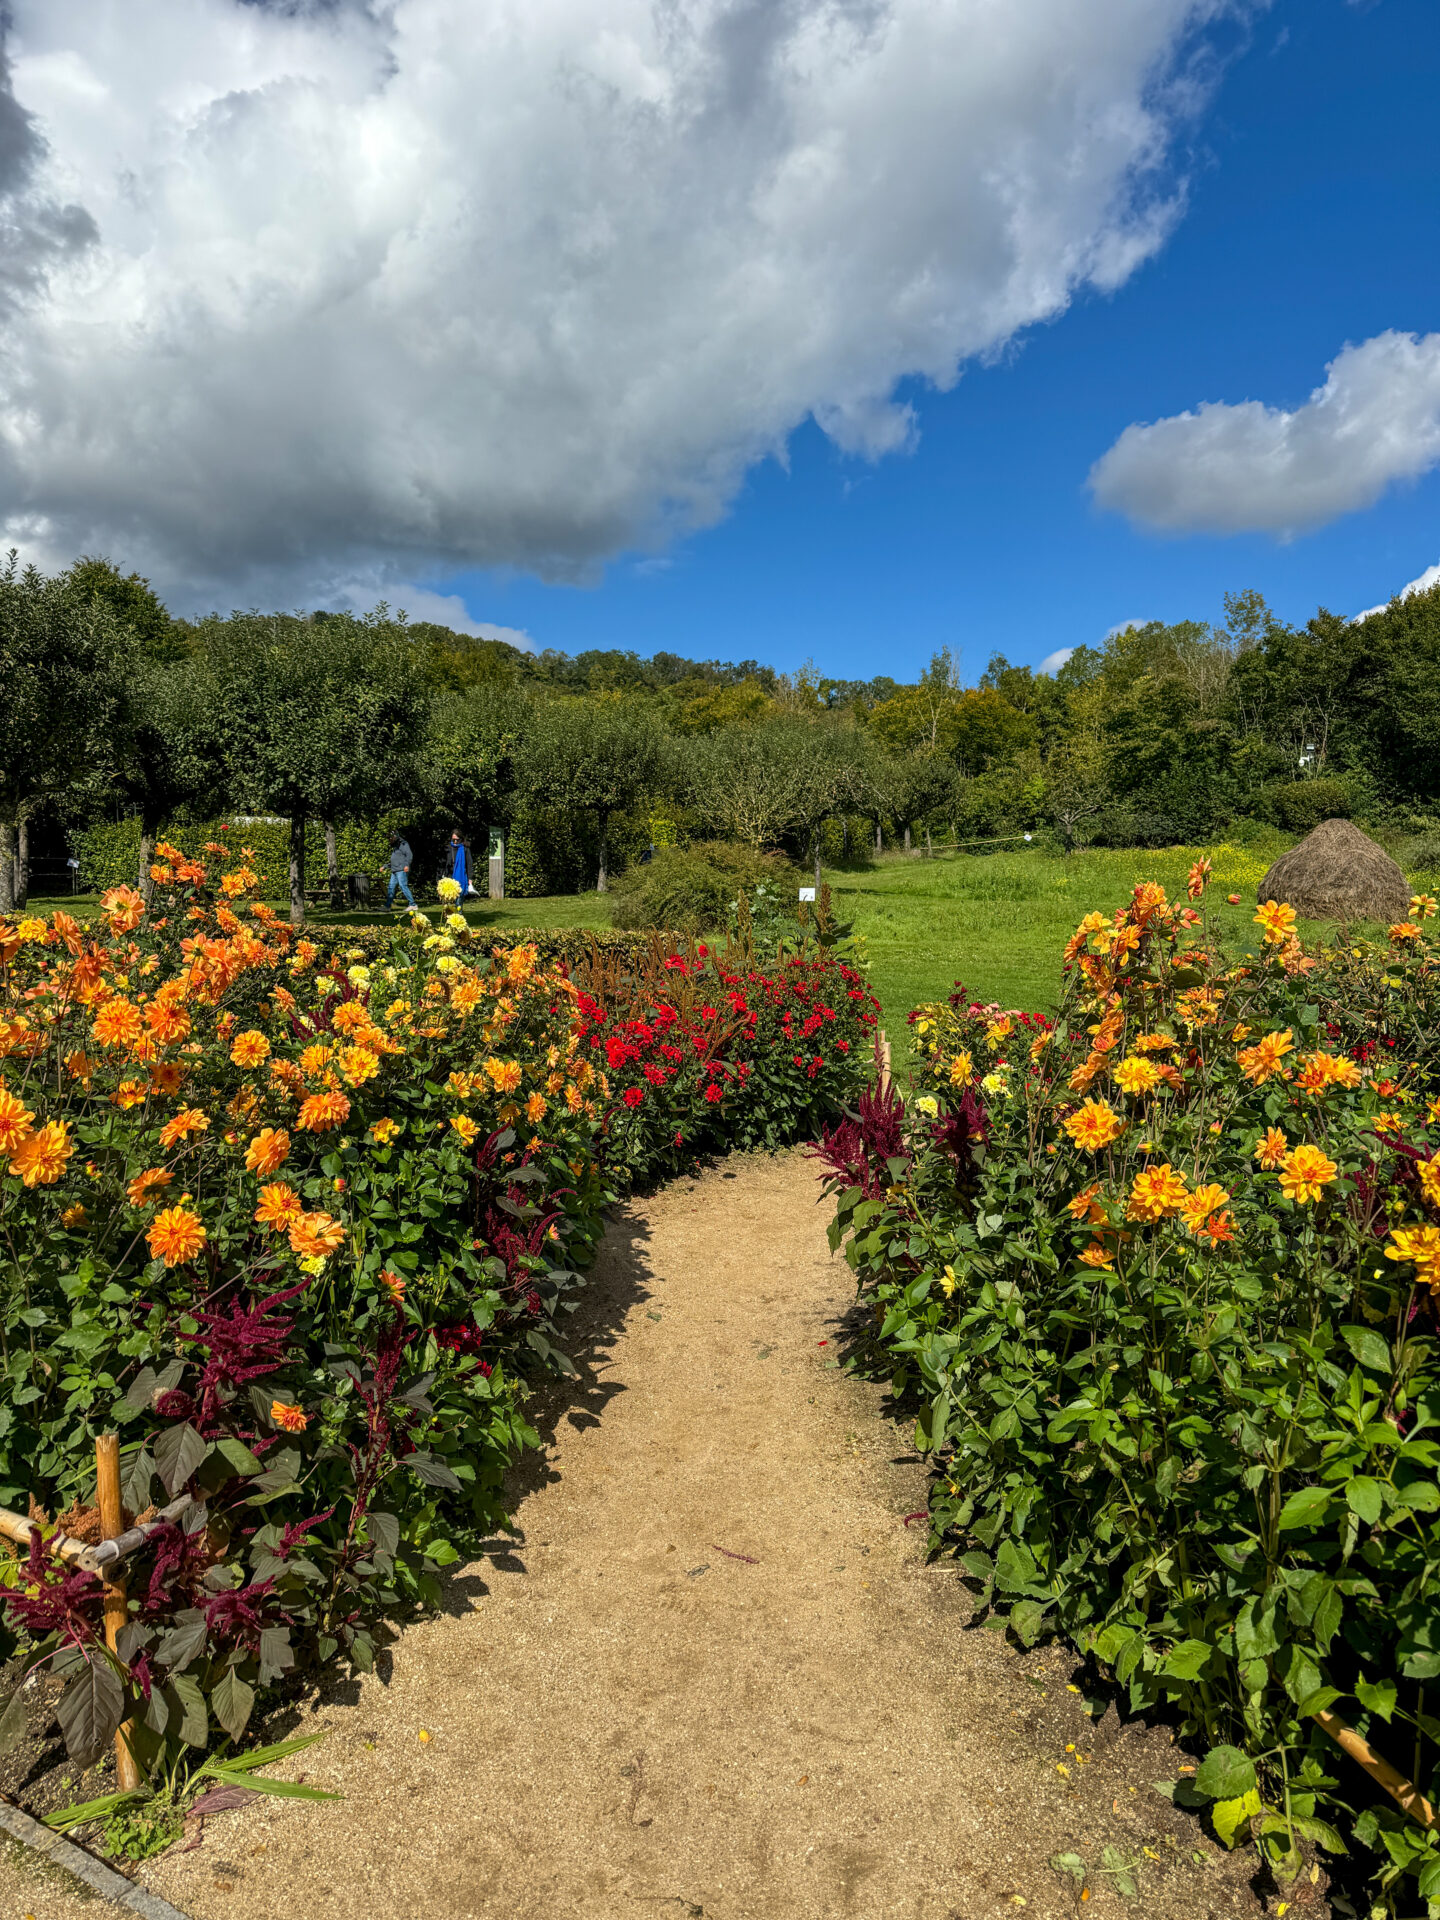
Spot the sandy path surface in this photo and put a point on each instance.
(715, 1676)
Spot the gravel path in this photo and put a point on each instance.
(715, 1676)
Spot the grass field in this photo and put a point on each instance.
(996, 921)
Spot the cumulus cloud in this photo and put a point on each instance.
(1422, 584)
(1053, 662)
(1252, 468)
(323, 286)
(421, 603)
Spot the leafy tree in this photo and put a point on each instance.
(63, 657)
(167, 747)
(135, 604)
(782, 779)
(591, 756)
(920, 784)
(983, 730)
(321, 718)
(471, 774)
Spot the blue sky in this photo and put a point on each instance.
(1312, 221)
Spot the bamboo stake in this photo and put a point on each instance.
(17, 1527)
(884, 1050)
(112, 1522)
(1401, 1790)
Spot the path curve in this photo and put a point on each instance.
(716, 1676)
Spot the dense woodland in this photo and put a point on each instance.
(120, 717)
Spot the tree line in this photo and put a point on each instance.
(1163, 733)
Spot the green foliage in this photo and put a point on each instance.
(109, 850)
(1300, 805)
(694, 889)
(63, 661)
(135, 605)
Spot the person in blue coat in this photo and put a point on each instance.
(459, 868)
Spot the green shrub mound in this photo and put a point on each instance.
(694, 889)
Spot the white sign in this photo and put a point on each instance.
(807, 893)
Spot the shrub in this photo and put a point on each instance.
(109, 850)
(303, 1225)
(1162, 1282)
(1300, 805)
(694, 889)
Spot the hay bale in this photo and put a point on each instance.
(1338, 873)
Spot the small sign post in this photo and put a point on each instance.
(497, 863)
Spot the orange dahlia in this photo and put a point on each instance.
(123, 909)
(188, 1120)
(323, 1111)
(1094, 1126)
(359, 1064)
(1156, 1192)
(269, 1150)
(40, 1158)
(279, 1206)
(250, 1048)
(1134, 1075)
(1420, 1245)
(1271, 1148)
(1257, 1063)
(1305, 1173)
(314, 1235)
(289, 1419)
(117, 1024)
(15, 1121)
(145, 1184)
(176, 1236)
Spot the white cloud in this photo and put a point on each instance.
(1250, 468)
(1422, 584)
(420, 603)
(1124, 626)
(1053, 662)
(324, 286)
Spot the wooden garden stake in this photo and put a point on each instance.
(112, 1523)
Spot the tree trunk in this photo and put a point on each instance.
(22, 861)
(929, 845)
(602, 882)
(7, 866)
(907, 839)
(297, 869)
(879, 839)
(844, 836)
(332, 867)
(817, 863)
(149, 828)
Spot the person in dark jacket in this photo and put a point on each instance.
(400, 858)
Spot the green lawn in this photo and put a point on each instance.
(996, 921)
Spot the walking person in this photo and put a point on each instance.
(400, 858)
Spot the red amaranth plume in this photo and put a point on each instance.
(67, 1602)
(858, 1148)
(245, 1344)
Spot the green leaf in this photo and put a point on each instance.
(433, 1472)
(187, 1703)
(1306, 1507)
(1368, 1348)
(285, 1789)
(1377, 1696)
(1187, 1660)
(91, 1709)
(178, 1454)
(232, 1701)
(1255, 1635)
(1363, 1497)
(238, 1454)
(1027, 1617)
(1225, 1774)
(12, 1721)
(1015, 1567)
(87, 1810)
(1232, 1816)
(1070, 1863)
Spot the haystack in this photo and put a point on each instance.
(1338, 873)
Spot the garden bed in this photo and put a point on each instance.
(307, 1227)
(1159, 1280)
